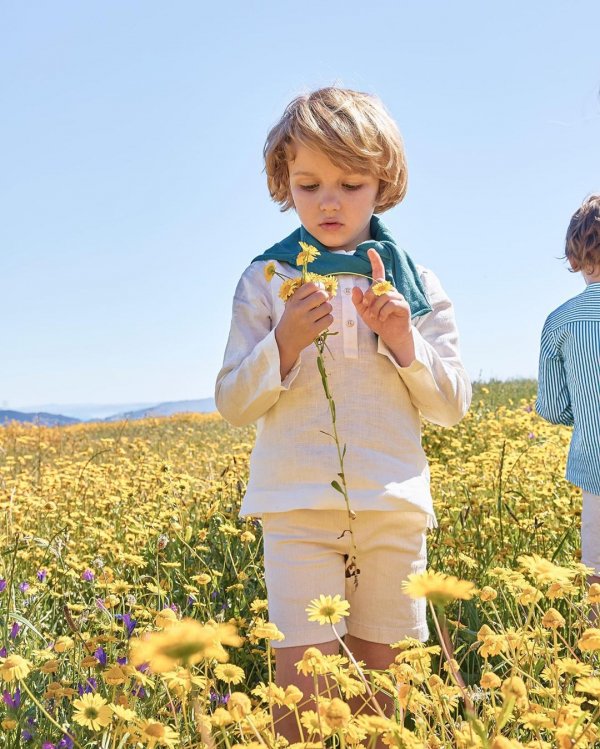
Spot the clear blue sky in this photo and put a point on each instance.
(131, 186)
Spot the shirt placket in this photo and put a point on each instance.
(349, 318)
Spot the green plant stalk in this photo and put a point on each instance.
(342, 487)
(359, 670)
(442, 633)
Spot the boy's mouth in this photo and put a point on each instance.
(330, 225)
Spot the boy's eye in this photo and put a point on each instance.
(308, 188)
(351, 187)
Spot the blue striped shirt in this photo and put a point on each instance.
(569, 382)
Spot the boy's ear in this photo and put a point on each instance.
(574, 265)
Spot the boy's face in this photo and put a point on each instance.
(333, 205)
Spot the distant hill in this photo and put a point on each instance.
(39, 417)
(204, 405)
(83, 411)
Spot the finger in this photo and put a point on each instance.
(378, 303)
(321, 311)
(394, 307)
(314, 300)
(377, 266)
(307, 289)
(323, 323)
(357, 296)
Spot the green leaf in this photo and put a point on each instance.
(337, 487)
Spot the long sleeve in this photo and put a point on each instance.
(437, 382)
(553, 399)
(249, 382)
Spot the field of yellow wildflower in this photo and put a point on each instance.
(133, 611)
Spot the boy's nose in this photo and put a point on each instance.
(330, 202)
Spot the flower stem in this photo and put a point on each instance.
(352, 569)
(360, 672)
(442, 633)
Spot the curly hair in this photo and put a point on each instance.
(582, 244)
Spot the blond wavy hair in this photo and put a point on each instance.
(582, 244)
(352, 129)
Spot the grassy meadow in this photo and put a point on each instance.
(113, 531)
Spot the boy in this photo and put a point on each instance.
(569, 374)
(337, 158)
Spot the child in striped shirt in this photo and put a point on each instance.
(569, 374)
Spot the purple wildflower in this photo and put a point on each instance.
(2, 585)
(13, 701)
(3, 652)
(128, 621)
(65, 743)
(14, 630)
(100, 655)
(90, 685)
(41, 575)
(87, 575)
(48, 745)
(221, 699)
(24, 586)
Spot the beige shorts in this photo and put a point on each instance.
(305, 557)
(590, 531)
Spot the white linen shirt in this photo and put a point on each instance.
(377, 401)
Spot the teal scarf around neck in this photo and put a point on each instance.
(400, 269)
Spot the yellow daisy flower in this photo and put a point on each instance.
(14, 667)
(514, 687)
(308, 253)
(553, 619)
(488, 593)
(115, 676)
(269, 271)
(288, 287)
(187, 641)
(382, 287)
(490, 680)
(123, 713)
(267, 631)
(590, 685)
(327, 609)
(545, 571)
(439, 588)
(331, 285)
(153, 733)
(593, 595)
(229, 673)
(165, 618)
(239, 705)
(92, 711)
(590, 640)
(335, 713)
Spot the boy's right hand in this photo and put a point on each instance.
(307, 314)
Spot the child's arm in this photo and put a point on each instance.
(249, 382)
(553, 399)
(425, 353)
(262, 358)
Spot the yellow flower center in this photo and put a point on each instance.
(155, 729)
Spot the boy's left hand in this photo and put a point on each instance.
(387, 315)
